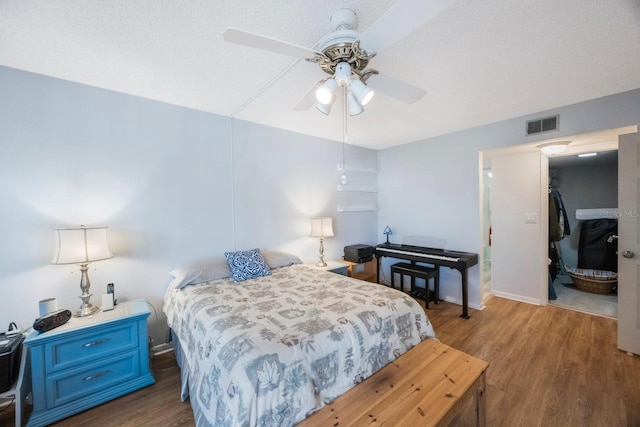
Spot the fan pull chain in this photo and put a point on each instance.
(343, 178)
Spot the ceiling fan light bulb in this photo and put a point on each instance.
(367, 97)
(326, 93)
(323, 96)
(362, 92)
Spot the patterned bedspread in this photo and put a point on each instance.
(271, 351)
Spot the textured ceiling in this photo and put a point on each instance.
(480, 61)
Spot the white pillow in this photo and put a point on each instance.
(276, 259)
(218, 268)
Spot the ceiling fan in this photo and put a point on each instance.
(344, 54)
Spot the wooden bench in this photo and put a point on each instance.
(416, 271)
(423, 387)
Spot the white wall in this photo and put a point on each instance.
(176, 184)
(517, 265)
(431, 187)
(278, 186)
(173, 185)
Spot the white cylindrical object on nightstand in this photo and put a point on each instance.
(48, 305)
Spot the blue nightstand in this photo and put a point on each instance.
(88, 361)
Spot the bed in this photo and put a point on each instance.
(271, 350)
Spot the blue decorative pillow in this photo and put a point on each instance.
(247, 264)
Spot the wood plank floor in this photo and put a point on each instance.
(547, 367)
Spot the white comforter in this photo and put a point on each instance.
(273, 350)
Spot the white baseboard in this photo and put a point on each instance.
(507, 295)
(459, 302)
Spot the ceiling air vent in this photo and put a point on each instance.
(545, 124)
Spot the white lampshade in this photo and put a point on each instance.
(321, 227)
(81, 245)
(552, 148)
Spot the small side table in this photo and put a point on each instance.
(363, 271)
(88, 361)
(333, 266)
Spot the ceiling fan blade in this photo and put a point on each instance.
(309, 99)
(395, 88)
(399, 21)
(235, 35)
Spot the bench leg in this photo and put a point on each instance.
(481, 406)
(426, 290)
(413, 285)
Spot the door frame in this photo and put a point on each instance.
(589, 142)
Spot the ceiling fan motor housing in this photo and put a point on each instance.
(340, 45)
(344, 19)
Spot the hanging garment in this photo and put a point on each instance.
(553, 261)
(559, 219)
(595, 251)
(564, 217)
(555, 232)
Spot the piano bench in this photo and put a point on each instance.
(421, 272)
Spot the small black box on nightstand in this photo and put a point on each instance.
(358, 253)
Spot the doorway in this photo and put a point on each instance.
(586, 186)
(511, 223)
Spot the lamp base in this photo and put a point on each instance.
(86, 311)
(321, 262)
(86, 308)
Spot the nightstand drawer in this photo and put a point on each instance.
(88, 379)
(77, 349)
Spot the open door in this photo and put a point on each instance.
(629, 243)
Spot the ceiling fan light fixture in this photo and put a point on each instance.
(323, 108)
(326, 93)
(342, 75)
(353, 105)
(553, 148)
(362, 92)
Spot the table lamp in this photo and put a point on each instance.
(387, 232)
(321, 227)
(82, 246)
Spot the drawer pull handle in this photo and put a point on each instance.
(95, 376)
(94, 343)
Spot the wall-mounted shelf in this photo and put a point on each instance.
(356, 208)
(353, 168)
(361, 189)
